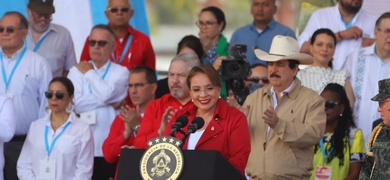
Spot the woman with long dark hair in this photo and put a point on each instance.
(340, 152)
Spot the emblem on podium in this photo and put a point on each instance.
(162, 160)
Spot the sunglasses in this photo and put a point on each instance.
(115, 9)
(59, 95)
(7, 29)
(265, 80)
(330, 104)
(92, 43)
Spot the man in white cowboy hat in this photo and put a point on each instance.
(285, 119)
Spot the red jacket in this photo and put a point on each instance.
(140, 51)
(152, 118)
(227, 132)
(115, 140)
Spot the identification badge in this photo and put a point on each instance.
(323, 173)
(47, 169)
(89, 117)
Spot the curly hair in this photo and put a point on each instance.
(340, 137)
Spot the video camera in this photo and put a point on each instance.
(235, 71)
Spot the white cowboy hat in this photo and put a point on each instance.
(284, 48)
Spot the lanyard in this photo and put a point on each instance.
(49, 148)
(347, 26)
(103, 76)
(324, 151)
(124, 51)
(6, 81)
(40, 43)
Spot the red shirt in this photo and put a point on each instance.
(227, 133)
(115, 140)
(140, 51)
(152, 118)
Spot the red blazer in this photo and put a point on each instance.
(140, 51)
(227, 133)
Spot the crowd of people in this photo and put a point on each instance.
(63, 119)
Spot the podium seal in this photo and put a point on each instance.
(162, 160)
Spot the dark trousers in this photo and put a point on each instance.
(102, 170)
(12, 151)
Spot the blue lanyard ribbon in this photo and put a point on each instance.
(324, 150)
(49, 148)
(6, 81)
(347, 26)
(103, 76)
(40, 43)
(124, 52)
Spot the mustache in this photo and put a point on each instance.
(275, 75)
(176, 86)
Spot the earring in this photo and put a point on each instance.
(192, 100)
(69, 108)
(341, 115)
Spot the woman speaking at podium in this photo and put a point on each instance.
(225, 128)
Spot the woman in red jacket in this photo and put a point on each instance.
(225, 128)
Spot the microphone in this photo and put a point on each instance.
(196, 124)
(181, 122)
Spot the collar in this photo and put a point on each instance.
(271, 25)
(336, 8)
(171, 98)
(291, 92)
(16, 54)
(219, 114)
(129, 29)
(104, 67)
(70, 119)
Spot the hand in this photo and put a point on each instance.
(270, 117)
(131, 118)
(168, 114)
(367, 41)
(128, 147)
(232, 102)
(84, 66)
(218, 62)
(351, 33)
(118, 104)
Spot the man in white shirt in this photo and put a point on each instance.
(24, 77)
(100, 88)
(368, 66)
(7, 125)
(354, 28)
(50, 40)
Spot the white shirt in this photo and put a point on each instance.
(316, 78)
(57, 48)
(193, 140)
(366, 70)
(7, 125)
(72, 152)
(331, 18)
(27, 87)
(94, 93)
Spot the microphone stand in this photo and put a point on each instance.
(183, 140)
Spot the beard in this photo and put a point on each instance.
(350, 7)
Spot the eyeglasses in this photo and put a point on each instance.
(385, 31)
(382, 102)
(137, 85)
(330, 104)
(59, 95)
(205, 24)
(101, 43)
(7, 29)
(116, 9)
(46, 17)
(208, 90)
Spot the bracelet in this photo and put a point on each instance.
(136, 128)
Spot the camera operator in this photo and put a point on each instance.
(258, 78)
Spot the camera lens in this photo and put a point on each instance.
(235, 67)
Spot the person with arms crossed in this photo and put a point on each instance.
(285, 119)
(25, 77)
(60, 145)
(100, 88)
(142, 87)
(52, 41)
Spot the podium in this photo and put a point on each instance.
(198, 164)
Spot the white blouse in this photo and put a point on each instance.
(193, 140)
(316, 78)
